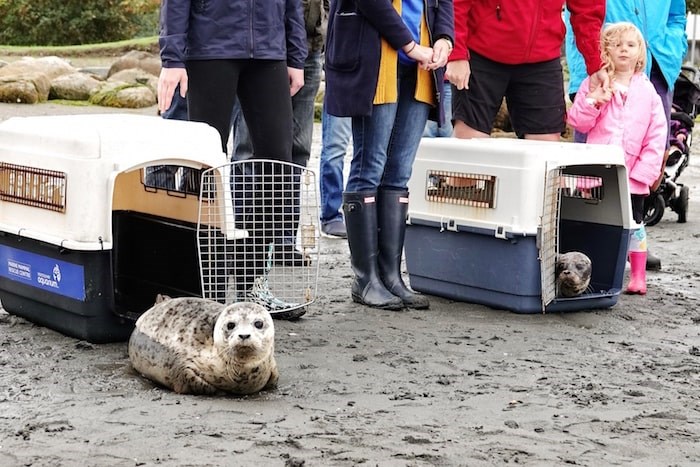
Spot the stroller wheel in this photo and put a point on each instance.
(654, 206)
(680, 204)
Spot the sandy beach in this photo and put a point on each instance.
(457, 385)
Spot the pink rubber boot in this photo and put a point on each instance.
(638, 273)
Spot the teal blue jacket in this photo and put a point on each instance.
(662, 23)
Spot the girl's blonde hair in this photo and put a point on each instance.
(611, 36)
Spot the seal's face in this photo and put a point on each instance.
(573, 274)
(244, 331)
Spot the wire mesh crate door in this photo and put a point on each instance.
(258, 234)
(549, 235)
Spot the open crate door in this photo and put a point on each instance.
(549, 235)
(258, 235)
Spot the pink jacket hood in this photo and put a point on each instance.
(641, 121)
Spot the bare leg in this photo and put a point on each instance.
(463, 131)
(547, 137)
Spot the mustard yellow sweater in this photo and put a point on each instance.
(387, 89)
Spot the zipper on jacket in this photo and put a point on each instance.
(533, 30)
(252, 34)
(498, 12)
(436, 94)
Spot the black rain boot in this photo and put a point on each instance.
(360, 210)
(392, 208)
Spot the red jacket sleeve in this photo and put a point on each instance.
(461, 12)
(587, 17)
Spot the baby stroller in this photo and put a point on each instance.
(670, 193)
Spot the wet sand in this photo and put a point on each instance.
(457, 385)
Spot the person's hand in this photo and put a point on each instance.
(600, 78)
(441, 52)
(296, 79)
(421, 54)
(599, 95)
(458, 73)
(167, 82)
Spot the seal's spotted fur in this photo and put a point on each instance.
(199, 346)
(573, 271)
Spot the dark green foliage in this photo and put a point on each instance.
(692, 6)
(72, 22)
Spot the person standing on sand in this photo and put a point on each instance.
(384, 68)
(218, 51)
(662, 23)
(629, 115)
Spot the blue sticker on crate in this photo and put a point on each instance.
(42, 272)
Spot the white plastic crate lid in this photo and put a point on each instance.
(92, 150)
(519, 168)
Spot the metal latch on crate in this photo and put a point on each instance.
(500, 232)
(448, 224)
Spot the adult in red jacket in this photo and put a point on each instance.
(512, 49)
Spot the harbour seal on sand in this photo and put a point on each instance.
(198, 346)
(573, 274)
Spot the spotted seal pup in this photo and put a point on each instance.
(573, 274)
(198, 346)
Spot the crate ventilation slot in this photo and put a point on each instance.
(465, 189)
(31, 186)
(582, 187)
(176, 179)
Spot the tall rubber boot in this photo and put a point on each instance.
(638, 273)
(392, 208)
(360, 210)
(638, 262)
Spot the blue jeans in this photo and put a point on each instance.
(302, 112)
(385, 143)
(432, 130)
(335, 138)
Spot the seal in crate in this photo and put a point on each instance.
(490, 217)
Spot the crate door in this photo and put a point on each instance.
(549, 235)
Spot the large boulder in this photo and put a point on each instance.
(136, 59)
(124, 95)
(76, 86)
(135, 76)
(49, 66)
(28, 80)
(29, 88)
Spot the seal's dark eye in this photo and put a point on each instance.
(258, 324)
(230, 325)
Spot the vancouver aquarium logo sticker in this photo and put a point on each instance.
(42, 272)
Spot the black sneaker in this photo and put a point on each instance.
(334, 229)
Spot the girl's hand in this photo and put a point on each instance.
(600, 95)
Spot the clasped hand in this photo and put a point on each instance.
(429, 58)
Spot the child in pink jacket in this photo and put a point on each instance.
(628, 113)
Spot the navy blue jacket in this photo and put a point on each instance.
(353, 49)
(237, 29)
